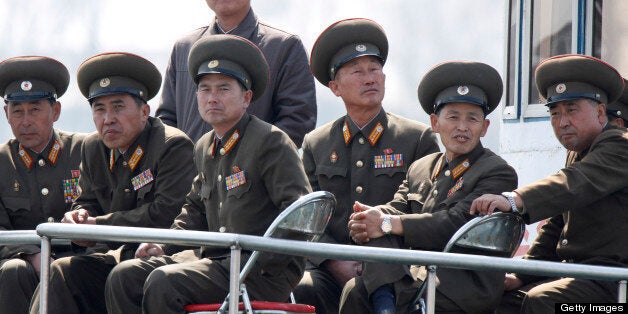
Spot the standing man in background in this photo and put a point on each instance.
(362, 156)
(289, 102)
(135, 172)
(39, 167)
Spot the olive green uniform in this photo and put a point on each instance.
(437, 203)
(243, 183)
(587, 202)
(355, 170)
(121, 191)
(35, 188)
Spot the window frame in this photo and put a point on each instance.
(581, 42)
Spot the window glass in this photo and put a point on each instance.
(513, 44)
(551, 35)
(610, 26)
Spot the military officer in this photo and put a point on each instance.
(434, 199)
(586, 200)
(248, 172)
(617, 112)
(40, 169)
(362, 156)
(135, 171)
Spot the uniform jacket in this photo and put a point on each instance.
(151, 194)
(244, 190)
(42, 193)
(289, 101)
(340, 168)
(435, 202)
(588, 205)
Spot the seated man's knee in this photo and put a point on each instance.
(160, 282)
(121, 273)
(61, 264)
(132, 267)
(537, 298)
(16, 268)
(157, 278)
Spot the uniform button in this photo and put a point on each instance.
(41, 162)
(361, 140)
(51, 219)
(127, 190)
(447, 173)
(124, 164)
(219, 178)
(220, 205)
(359, 189)
(564, 242)
(44, 191)
(222, 151)
(359, 164)
(435, 192)
(222, 229)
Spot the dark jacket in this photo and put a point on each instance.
(588, 205)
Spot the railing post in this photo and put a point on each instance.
(44, 277)
(431, 289)
(621, 293)
(234, 279)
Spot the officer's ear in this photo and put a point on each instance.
(434, 122)
(248, 95)
(600, 110)
(333, 86)
(145, 110)
(486, 122)
(56, 110)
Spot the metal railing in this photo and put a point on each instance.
(11, 237)
(49, 231)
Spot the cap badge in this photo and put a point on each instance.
(26, 86)
(561, 88)
(105, 82)
(462, 90)
(360, 48)
(213, 64)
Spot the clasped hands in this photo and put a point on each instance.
(80, 216)
(365, 223)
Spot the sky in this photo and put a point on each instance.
(421, 34)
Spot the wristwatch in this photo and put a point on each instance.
(510, 196)
(386, 225)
